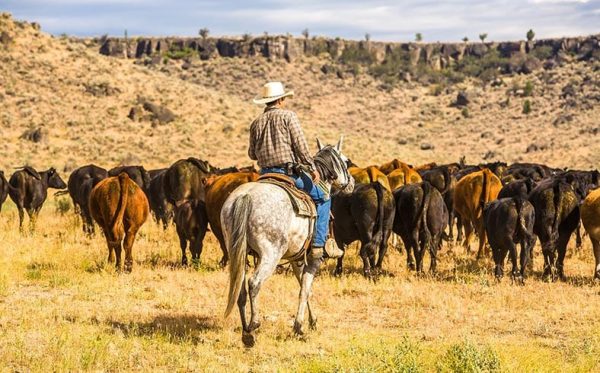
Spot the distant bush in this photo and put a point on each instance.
(178, 54)
(528, 89)
(543, 52)
(63, 205)
(357, 54)
(466, 357)
(465, 112)
(487, 67)
(526, 107)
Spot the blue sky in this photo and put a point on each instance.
(383, 19)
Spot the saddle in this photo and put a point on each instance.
(302, 203)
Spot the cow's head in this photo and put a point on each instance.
(54, 179)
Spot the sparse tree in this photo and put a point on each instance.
(530, 35)
(368, 37)
(483, 36)
(305, 33)
(418, 37)
(465, 39)
(203, 32)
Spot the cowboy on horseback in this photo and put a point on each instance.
(278, 144)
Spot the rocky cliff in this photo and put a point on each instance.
(437, 55)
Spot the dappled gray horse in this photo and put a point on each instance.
(259, 218)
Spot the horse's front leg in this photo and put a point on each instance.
(308, 276)
(298, 267)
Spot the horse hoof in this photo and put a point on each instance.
(312, 324)
(253, 326)
(249, 339)
(298, 328)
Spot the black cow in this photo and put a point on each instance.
(582, 182)
(556, 217)
(80, 185)
(3, 189)
(184, 180)
(517, 188)
(29, 189)
(508, 222)
(442, 178)
(136, 173)
(191, 222)
(533, 171)
(367, 214)
(161, 209)
(421, 217)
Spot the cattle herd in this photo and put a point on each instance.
(507, 206)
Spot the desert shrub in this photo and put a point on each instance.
(178, 54)
(466, 357)
(372, 356)
(488, 64)
(465, 112)
(357, 54)
(543, 52)
(526, 107)
(63, 205)
(394, 64)
(528, 89)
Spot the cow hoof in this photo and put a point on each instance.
(249, 339)
(337, 273)
(298, 328)
(312, 324)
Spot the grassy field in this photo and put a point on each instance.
(62, 308)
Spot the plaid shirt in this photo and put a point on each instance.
(276, 138)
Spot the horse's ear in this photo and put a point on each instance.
(319, 145)
(339, 144)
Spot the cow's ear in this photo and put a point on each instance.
(340, 143)
(319, 145)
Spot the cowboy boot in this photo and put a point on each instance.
(332, 250)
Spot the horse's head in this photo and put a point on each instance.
(332, 164)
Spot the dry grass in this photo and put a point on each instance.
(61, 306)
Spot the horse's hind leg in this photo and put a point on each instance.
(308, 276)
(298, 268)
(265, 269)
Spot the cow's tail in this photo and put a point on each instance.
(423, 214)
(557, 200)
(447, 180)
(123, 188)
(237, 247)
(521, 229)
(379, 221)
(485, 189)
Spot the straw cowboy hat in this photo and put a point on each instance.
(272, 91)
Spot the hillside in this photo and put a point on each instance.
(79, 100)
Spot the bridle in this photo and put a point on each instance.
(328, 163)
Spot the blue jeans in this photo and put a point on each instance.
(322, 202)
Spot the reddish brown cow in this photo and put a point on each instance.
(471, 194)
(120, 208)
(218, 189)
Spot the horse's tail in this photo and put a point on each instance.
(237, 246)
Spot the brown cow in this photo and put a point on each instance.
(403, 176)
(392, 165)
(590, 217)
(191, 223)
(370, 174)
(120, 208)
(218, 189)
(471, 194)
